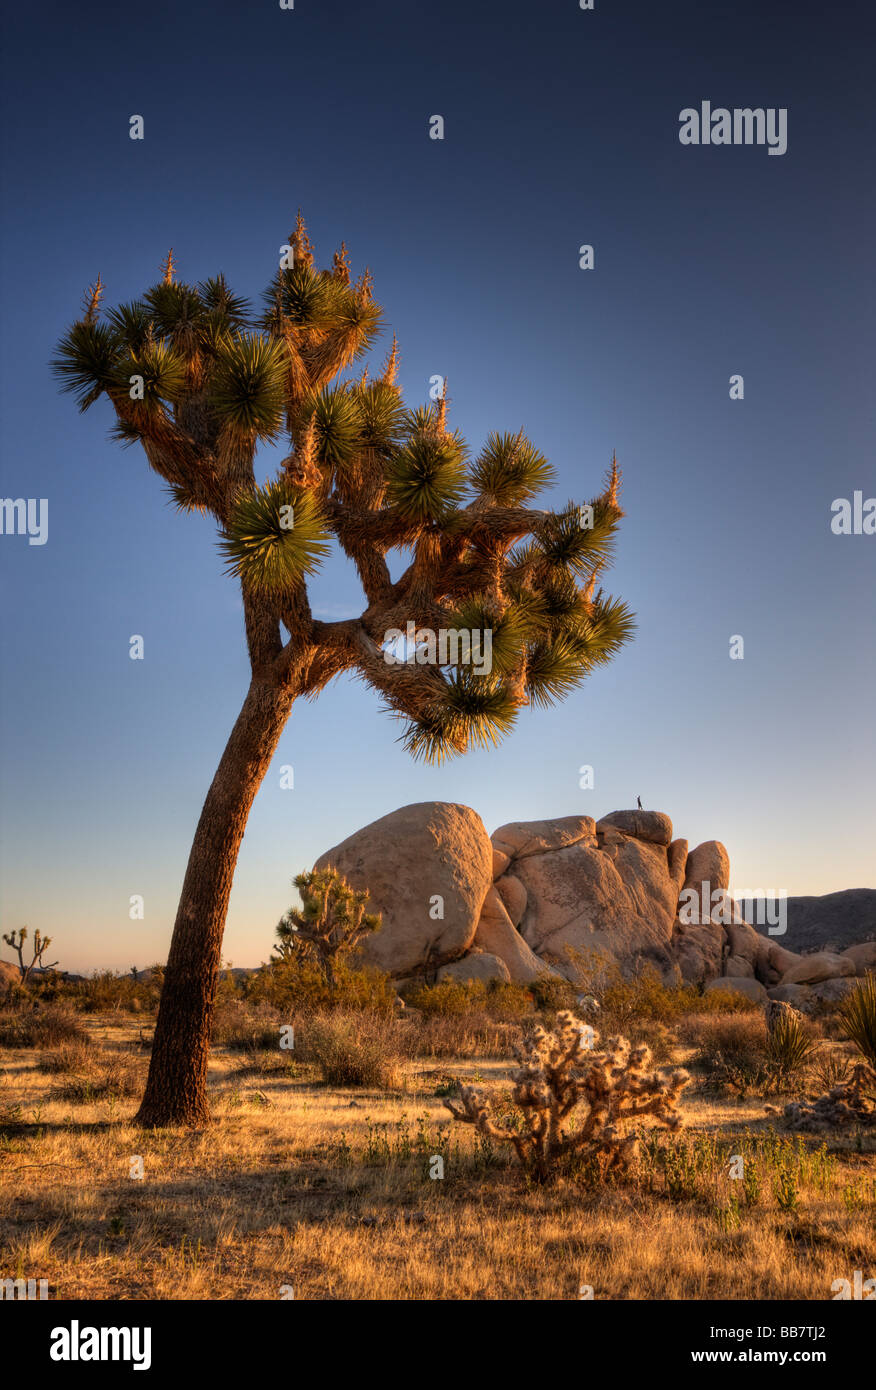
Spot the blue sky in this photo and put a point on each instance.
(561, 128)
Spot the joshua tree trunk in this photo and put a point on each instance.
(176, 1090)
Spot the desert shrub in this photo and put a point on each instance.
(557, 1071)
(352, 1050)
(857, 1019)
(831, 1068)
(460, 1036)
(732, 1049)
(66, 1057)
(40, 1027)
(645, 996)
(116, 1076)
(299, 983)
(552, 995)
(104, 991)
(449, 999)
(497, 999)
(246, 1027)
(507, 1002)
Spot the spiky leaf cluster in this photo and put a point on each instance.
(360, 471)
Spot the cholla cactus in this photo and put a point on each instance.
(559, 1069)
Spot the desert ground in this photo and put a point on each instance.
(317, 1178)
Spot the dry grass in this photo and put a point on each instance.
(327, 1189)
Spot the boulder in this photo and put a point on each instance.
(751, 989)
(698, 947)
(513, 895)
(798, 996)
(500, 862)
(522, 838)
(862, 956)
(677, 858)
(611, 902)
(9, 975)
(739, 968)
(821, 965)
(496, 934)
(405, 860)
(478, 965)
(832, 991)
(652, 826)
(708, 863)
(750, 953)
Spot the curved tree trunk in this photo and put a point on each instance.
(176, 1090)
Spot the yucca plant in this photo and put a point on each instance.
(789, 1046)
(200, 380)
(857, 1017)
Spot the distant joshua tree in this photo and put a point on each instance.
(40, 945)
(333, 920)
(200, 381)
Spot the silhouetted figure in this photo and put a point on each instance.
(639, 802)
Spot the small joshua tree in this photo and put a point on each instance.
(559, 1069)
(40, 945)
(333, 920)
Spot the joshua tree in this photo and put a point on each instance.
(40, 945)
(333, 920)
(200, 381)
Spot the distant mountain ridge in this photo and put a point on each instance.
(831, 920)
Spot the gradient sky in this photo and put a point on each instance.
(561, 129)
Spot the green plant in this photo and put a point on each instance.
(789, 1046)
(333, 921)
(449, 999)
(785, 1190)
(857, 1018)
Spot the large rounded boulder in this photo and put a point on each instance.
(427, 869)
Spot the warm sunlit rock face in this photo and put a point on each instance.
(561, 897)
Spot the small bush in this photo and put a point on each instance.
(352, 1051)
(449, 999)
(40, 1027)
(298, 983)
(831, 1068)
(116, 1077)
(552, 995)
(66, 1058)
(732, 1048)
(645, 996)
(243, 1027)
